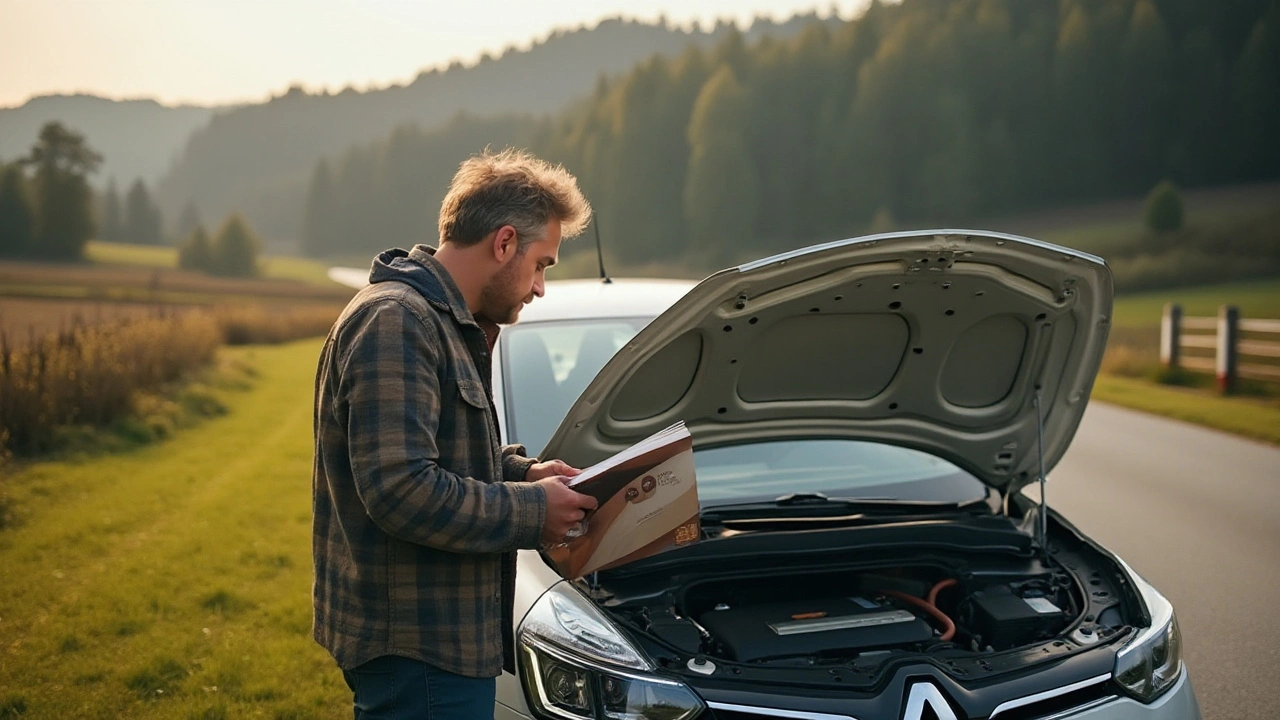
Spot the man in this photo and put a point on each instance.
(418, 510)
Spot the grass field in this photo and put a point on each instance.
(172, 581)
(150, 256)
(1107, 227)
(24, 318)
(1255, 298)
(1257, 418)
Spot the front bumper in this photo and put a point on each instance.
(1178, 704)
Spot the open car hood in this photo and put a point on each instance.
(936, 340)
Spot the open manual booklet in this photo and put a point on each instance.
(648, 498)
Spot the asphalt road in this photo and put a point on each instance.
(1197, 513)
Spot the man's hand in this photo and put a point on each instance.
(565, 508)
(550, 468)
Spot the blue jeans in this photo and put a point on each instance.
(397, 688)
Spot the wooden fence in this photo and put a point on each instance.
(1222, 334)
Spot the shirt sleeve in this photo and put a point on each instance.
(391, 392)
(514, 463)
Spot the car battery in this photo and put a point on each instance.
(1001, 617)
(812, 627)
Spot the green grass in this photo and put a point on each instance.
(1102, 239)
(172, 580)
(1110, 227)
(312, 272)
(274, 267)
(105, 253)
(1254, 418)
(1255, 298)
(1133, 361)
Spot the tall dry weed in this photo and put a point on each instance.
(265, 324)
(91, 375)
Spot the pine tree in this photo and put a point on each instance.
(64, 201)
(1255, 102)
(112, 222)
(142, 224)
(722, 189)
(188, 222)
(1147, 100)
(235, 249)
(318, 216)
(17, 216)
(1164, 208)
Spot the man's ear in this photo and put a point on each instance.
(505, 243)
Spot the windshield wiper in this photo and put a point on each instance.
(817, 506)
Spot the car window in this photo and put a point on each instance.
(546, 367)
(836, 468)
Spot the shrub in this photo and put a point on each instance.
(1164, 208)
(235, 249)
(197, 252)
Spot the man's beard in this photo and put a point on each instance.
(498, 301)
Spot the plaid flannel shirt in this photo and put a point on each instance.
(417, 509)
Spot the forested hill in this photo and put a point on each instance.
(270, 149)
(924, 112)
(137, 138)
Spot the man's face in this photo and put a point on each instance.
(521, 278)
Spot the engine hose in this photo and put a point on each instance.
(942, 585)
(949, 627)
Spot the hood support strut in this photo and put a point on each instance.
(1043, 525)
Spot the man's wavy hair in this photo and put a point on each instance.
(514, 188)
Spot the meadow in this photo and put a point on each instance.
(108, 346)
(173, 580)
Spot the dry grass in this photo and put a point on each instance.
(257, 324)
(122, 370)
(94, 375)
(151, 284)
(23, 319)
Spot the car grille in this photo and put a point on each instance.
(1062, 705)
(1054, 708)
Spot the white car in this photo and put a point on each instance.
(866, 415)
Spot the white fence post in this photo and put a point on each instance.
(1228, 350)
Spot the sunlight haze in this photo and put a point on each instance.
(212, 52)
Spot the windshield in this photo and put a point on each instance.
(547, 365)
(836, 468)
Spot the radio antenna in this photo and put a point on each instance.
(604, 276)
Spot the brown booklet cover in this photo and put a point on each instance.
(648, 497)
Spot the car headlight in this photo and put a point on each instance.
(576, 666)
(1151, 663)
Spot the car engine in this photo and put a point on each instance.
(987, 611)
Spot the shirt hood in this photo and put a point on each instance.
(419, 269)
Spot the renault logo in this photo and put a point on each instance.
(924, 695)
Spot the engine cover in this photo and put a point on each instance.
(811, 627)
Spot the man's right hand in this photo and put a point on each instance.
(565, 508)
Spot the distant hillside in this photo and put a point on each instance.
(270, 150)
(918, 114)
(138, 138)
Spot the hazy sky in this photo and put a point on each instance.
(216, 51)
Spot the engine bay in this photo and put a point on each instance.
(976, 612)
